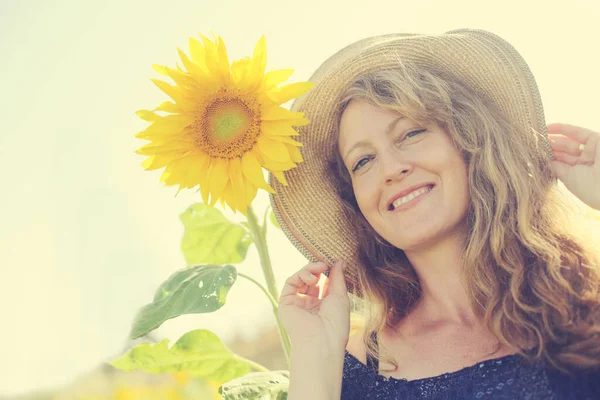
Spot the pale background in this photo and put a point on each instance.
(86, 235)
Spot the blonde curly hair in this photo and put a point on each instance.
(531, 265)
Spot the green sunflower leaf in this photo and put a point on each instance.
(194, 290)
(210, 238)
(274, 220)
(272, 385)
(199, 352)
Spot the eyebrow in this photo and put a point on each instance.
(365, 142)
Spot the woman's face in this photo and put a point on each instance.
(409, 180)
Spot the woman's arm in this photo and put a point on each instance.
(315, 374)
(319, 328)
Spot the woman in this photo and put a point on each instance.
(430, 176)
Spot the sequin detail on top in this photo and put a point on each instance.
(508, 377)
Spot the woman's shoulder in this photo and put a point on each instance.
(582, 383)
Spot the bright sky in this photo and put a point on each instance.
(86, 235)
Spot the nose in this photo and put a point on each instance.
(394, 166)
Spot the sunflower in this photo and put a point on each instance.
(225, 123)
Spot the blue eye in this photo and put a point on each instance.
(360, 163)
(408, 135)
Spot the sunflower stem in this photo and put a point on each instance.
(252, 364)
(259, 236)
(265, 291)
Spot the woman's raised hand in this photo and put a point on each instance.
(577, 165)
(313, 322)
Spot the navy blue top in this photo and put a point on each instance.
(508, 377)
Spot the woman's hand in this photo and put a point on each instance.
(312, 322)
(578, 170)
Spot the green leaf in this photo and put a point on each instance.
(257, 386)
(210, 238)
(199, 352)
(195, 290)
(274, 220)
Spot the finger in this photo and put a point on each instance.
(316, 268)
(564, 144)
(560, 169)
(297, 283)
(294, 285)
(311, 282)
(313, 291)
(325, 290)
(590, 153)
(566, 158)
(578, 133)
(337, 282)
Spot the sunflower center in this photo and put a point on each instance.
(228, 125)
(228, 121)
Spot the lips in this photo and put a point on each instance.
(390, 203)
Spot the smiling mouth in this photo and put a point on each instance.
(410, 197)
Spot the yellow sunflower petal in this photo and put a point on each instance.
(219, 175)
(198, 165)
(251, 191)
(279, 113)
(172, 91)
(148, 115)
(161, 69)
(167, 172)
(253, 172)
(227, 197)
(156, 162)
(197, 51)
(273, 149)
(301, 121)
(194, 69)
(211, 60)
(223, 61)
(203, 175)
(184, 178)
(239, 70)
(280, 177)
(287, 140)
(278, 128)
(295, 154)
(236, 178)
(259, 58)
(170, 124)
(179, 173)
(170, 147)
(273, 165)
(289, 92)
(274, 78)
(198, 172)
(168, 106)
(181, 78)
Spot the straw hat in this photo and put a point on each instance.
(308, 209)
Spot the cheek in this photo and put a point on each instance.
(461, 187)
(365, 196)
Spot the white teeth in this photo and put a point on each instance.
(410, 196)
